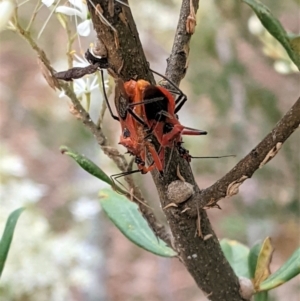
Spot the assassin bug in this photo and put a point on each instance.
(169, 131)
(161, 115)
(159, 109)
(159, 105)
(133, 129)
(141, 119)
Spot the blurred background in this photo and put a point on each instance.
(239, 83)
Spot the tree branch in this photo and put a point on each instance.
(125, 55)
(257, 158)
(203, 258)
(178, 60)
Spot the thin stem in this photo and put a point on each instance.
(47, 20)
(88, 101)
(34, 14)
(69, 45)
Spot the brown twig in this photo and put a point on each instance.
(178, 60)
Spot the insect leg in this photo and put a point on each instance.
(106, 99)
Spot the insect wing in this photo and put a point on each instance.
(121, 99)
(155, 109)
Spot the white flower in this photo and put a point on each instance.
(12, 165)
(88, 83)
(84, 28)
(85, 208)
(255, 26)
(48, 3)
(21, 193)
(285, 67)
(6, 11)
(79, 10)
(80, 62)
(85, 85)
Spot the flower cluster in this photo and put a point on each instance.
(79, 9)
(50, 264)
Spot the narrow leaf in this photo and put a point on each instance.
(237, 255)
(126, 217)
(289, 270)
(252, 263)
(87, 165)
(262, 270)
(274, 27)
(295, 44)
(252, 258)
(8, 236)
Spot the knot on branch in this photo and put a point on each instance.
(233, 188)
(179, 191)
(246, 288)
(271, 154)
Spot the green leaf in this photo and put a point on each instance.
(87, 165)
(126, 217)
(252, 258)
(295, 44)
(8, 236)
(252, 263)
(259, 260)
(262, 270)
(274, 27)
(262, 296)
(237, 255)
(91, 168)
(289, 270)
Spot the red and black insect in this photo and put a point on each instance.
(143, 110)
(134, 129)
(159, 112)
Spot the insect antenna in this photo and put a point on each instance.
(213, 157)
(184, 153)
(115, 177)
(106, 98)
(123, 3)
(170, 158)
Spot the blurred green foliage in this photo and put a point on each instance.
(235, 93)
(7, 236)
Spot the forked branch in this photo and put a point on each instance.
(115, 28)
(266, 150)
